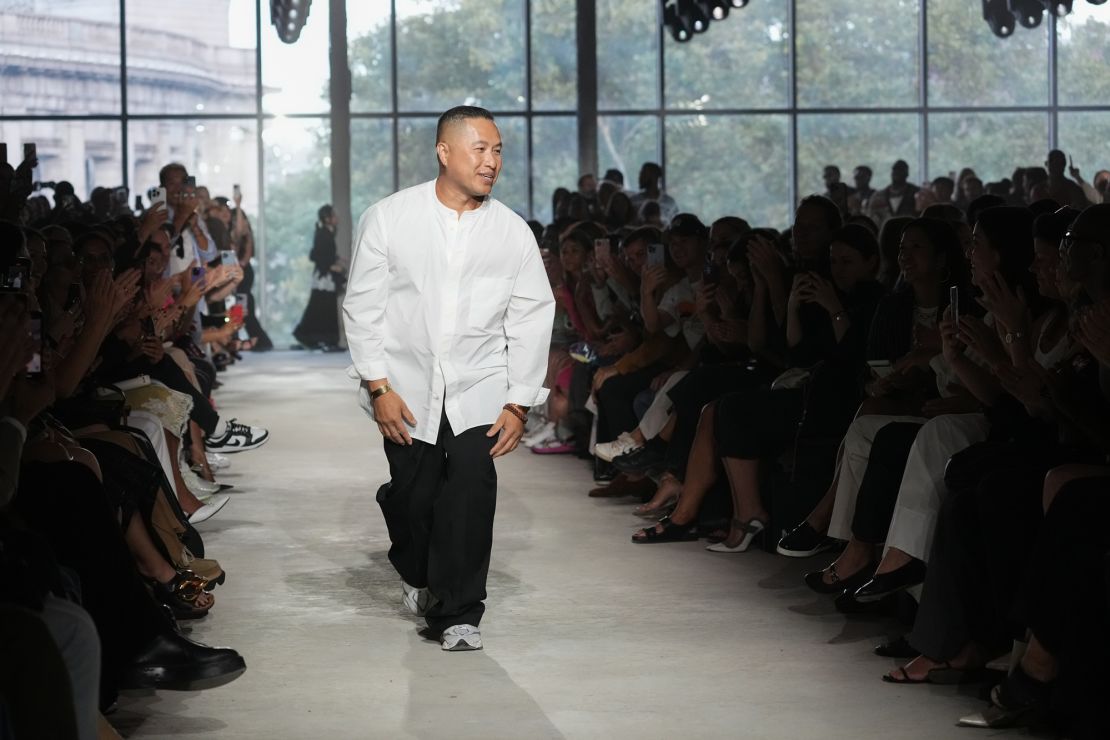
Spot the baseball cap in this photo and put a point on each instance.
(687, 224)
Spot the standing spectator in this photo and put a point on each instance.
(899, 194)
(861, 176)
(1060, 188)
(651, 184)
(835, 190)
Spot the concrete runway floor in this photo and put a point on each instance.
(587, 635)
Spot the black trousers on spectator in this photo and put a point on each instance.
(614, 402)
(878, 491)
(439, 506)
(1065, 602)
(66, 504)
(690, 395)
(980, 548)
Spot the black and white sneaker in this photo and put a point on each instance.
(237, 438)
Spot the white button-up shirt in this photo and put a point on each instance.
(456, 310)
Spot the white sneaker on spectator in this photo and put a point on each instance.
(461, 637)
(544, 432)
(417, 600)
(218, 461)
(237, 437)
(209, 510)
(623, 444)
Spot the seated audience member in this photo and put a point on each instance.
(994, 508)
(827, 323)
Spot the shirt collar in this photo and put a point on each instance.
(451, 213)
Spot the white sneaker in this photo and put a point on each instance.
(542, 433)
(210, 509)
(461, 637)
(417, 600)
(218, 461)
(237, 438)
(623, 444)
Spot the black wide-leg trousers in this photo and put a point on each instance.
(439, 507)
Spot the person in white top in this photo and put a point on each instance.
(448, 317)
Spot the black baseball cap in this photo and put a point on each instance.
(687, 224)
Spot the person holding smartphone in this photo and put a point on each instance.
(448, 318)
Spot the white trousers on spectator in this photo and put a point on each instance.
(151, 426)
(857, 451)
(923, 490)
(75, 635)
(659, 413)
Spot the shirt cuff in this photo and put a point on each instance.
(370, 371)
(527, 395)
(22, 430)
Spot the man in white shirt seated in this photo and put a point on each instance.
(448, 319)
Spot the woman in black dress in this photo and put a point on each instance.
(319, 327)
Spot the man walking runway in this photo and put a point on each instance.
(448, 319)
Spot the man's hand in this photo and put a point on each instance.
(393, 418)
(511, 429)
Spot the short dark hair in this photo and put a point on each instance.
(1050, 227)
(458, 114)
(324, 212)
(829, 210)
(859, 238)
(648, 234)
(171, 167)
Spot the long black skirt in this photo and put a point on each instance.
(320, 322)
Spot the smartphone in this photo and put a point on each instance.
(18, 274)
(197, 274)
(954, 302)
(156, 195)
(242, 299)
(30, 151)
(236, 193)
(73, 298)
(228, 258)
(138, 202)
(881, 368)
(147, 325)
(711, 273)
(656, 255)
(191, 181)
(34, 365)
(602, 249)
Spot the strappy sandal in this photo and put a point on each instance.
(671, 532)
(943, 674)
(181, 594)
